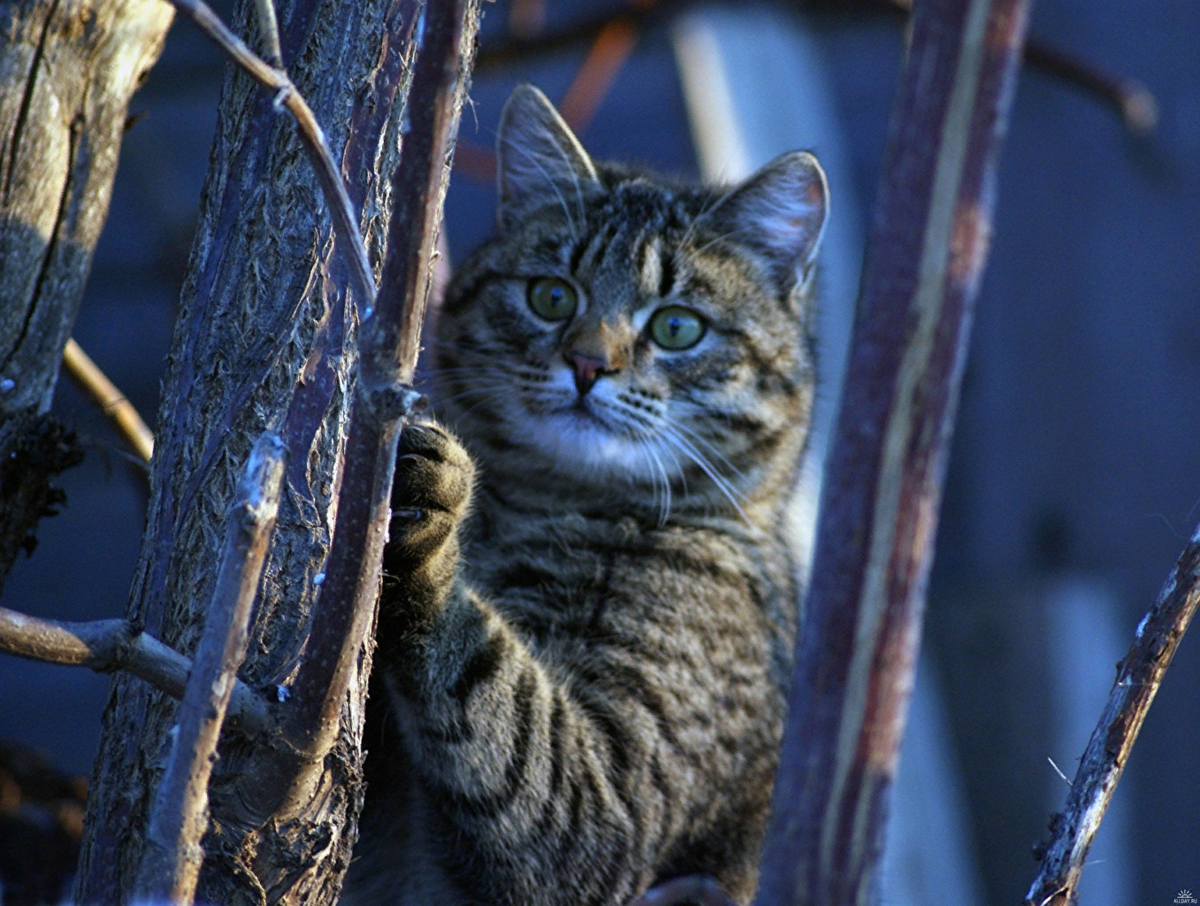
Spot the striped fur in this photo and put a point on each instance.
(587, 624)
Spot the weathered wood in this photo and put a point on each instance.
(67, 71)
(857, 652)
(264, 339)
(1139, 674)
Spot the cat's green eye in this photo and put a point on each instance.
(676, 327)
(552, 299)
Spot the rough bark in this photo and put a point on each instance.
(67, 71)
(264, 339)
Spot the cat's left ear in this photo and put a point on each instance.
(538, 158)
(780, 212)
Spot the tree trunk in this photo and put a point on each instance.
(265, 338)
(67, 71)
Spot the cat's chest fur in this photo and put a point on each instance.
(708, 596)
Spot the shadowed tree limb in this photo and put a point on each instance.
(387, 361)
(1139, 674)
(266, 339)
(67, 71)
(856, 654)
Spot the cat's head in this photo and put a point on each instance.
(642, 341)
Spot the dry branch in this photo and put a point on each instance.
(1139, 675)
(172, 857)
(109, 645)
(857, 649)
(67, 71)
(97, 385)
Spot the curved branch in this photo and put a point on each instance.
(310, 131)
(1133, 102)
(856, 654)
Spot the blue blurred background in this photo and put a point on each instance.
(1075, 474)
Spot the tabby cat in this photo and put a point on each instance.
(590, 600)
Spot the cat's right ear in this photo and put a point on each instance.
(537, 157)
(780, 212)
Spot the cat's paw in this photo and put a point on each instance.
(431, 491)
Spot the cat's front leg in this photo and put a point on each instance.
(431, 493)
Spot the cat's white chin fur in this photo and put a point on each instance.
(575, 440)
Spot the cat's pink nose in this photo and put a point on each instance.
(587, 369)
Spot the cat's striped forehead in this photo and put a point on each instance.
(630, 241)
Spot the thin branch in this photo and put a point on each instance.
(520, 47)
(1138, 677)
(702, 890)
(172, 857)
(108, 645)
(310, 130)
(591, 84)
(856, 654)
(94, 382)
(1131, 99)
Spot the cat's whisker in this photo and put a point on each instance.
(568, 160)
(730, 492)
(695, 253)
(537, 164)
(488, 395)
(664, 511)
(493, 360)
(699, 438)
(699, 219)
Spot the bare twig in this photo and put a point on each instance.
(699, 889)
(609, 52)
(856, 653)
(108, 645)
(172, 856)
(112, 401)
(522, 46)
(310, 131)
(389, 345)
(1129, 97)
(1138, 678)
